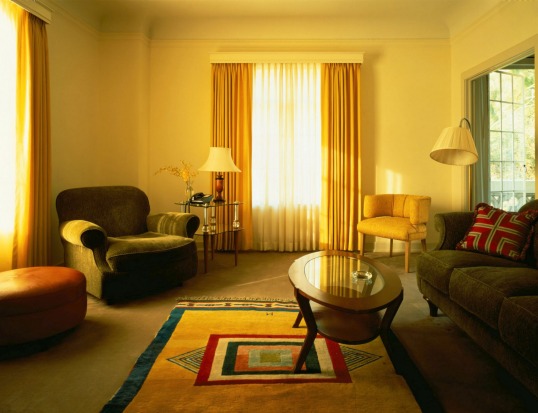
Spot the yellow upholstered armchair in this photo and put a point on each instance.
(397, 217)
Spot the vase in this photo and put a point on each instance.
(188, 191)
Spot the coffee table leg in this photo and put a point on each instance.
(298, 319)
(386, 322)
(312, 329)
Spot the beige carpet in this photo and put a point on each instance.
(82, 371)
(168, 386)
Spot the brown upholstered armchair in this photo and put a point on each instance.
(397, 217)
(124, 252)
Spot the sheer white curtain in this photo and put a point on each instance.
(24, 139)
(286, 156)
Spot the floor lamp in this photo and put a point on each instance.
(455, 146)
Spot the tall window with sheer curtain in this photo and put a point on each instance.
(286, 156)
(294, 129)
(8, 76)
(24, 139)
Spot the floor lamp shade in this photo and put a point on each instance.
(455, 146)
(219, 161)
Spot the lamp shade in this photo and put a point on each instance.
(219, 160)
(455, 146)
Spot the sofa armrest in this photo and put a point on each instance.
(419, 209)
(452, 227)
(83, 233)
(174, 223)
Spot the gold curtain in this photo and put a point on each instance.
(341, 152)
(39, 226)
(28, 242)
(232, 128)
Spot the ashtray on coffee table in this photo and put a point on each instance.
(341, 296)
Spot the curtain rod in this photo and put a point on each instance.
(287, 57)
(37, 8)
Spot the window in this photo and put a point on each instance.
(24, 139)
(286, 156)
(512, 141)
(8, 127)
(503, 112)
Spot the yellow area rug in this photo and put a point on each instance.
(238, 355)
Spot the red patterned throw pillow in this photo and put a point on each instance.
(501, 233)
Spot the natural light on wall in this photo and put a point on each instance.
(393, 182)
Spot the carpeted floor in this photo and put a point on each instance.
(82, 370)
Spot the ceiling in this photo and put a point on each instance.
(450, 16)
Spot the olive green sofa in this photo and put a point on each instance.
(492, 299)
(109, 235)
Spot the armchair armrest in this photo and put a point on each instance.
(83, 233)
(419, 209)
(86, 234)
(452, 227)
(174, 223)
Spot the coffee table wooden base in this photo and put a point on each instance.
(341, 326)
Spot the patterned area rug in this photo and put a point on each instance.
(237, 355)
(262, 359)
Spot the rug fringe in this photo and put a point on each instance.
(242, 299)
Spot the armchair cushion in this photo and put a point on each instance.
(392, 227)
(134, 252)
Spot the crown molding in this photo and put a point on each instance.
(37, 8)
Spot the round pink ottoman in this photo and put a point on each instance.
(39, 302)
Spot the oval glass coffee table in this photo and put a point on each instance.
(341, 296)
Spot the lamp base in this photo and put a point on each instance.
(219, 187)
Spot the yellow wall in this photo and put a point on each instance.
(499, 39)
(123, 105)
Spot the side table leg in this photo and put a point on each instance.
(206, 250)
(213, 240)
(236, 245)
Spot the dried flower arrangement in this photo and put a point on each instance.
(186, 172)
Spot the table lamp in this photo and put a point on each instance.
(219, 161)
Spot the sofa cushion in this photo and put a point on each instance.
(482, 290)
(501, 233)
(436, 266)
(518, 326)
(134, 253)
